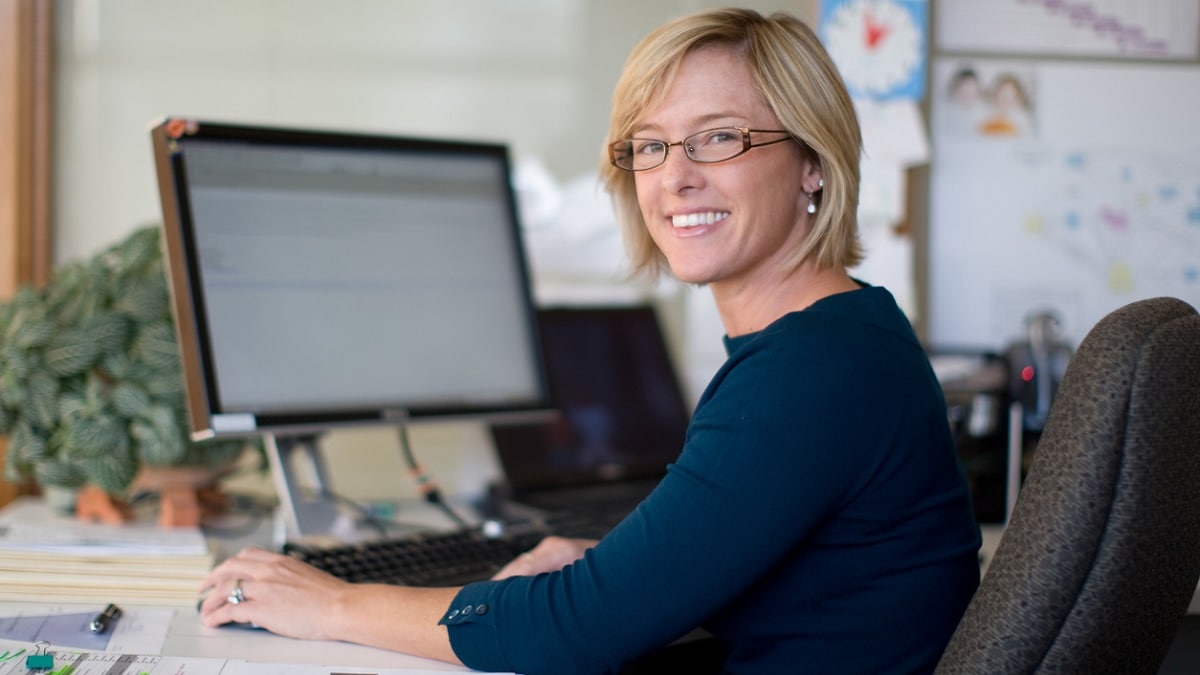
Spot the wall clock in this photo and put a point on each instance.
(878, 45)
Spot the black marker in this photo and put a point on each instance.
(104, 619)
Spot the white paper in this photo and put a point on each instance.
(29, 525)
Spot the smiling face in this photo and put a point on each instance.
(732, 224)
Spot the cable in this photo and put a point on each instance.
(383, 527)
(425, 483)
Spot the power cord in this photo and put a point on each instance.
(425, 484)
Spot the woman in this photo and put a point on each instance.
(816, 519)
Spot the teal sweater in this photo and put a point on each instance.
(817, 520)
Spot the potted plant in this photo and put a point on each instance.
(91, 390)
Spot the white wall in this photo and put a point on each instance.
(536, 74)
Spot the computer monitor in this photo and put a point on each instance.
(323, 279)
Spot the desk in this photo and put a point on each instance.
(188, 638)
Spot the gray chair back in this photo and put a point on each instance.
(1101, 557)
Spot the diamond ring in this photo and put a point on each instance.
(236, 597)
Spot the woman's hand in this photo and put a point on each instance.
(277, 592)
(551, 554)
(292, 598)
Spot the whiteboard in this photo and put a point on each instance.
(1091, 201)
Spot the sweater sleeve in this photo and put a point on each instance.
(766, 460)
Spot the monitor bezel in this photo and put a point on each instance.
(206, 416)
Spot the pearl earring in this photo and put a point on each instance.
(812, 207)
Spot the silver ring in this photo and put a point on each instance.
(236, 596)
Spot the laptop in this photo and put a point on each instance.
(621, 417)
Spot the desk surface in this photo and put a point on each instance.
(186, 637)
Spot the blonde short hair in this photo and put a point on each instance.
(798, 82)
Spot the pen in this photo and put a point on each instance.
(104, 619)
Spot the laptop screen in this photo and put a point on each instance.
(621, 414)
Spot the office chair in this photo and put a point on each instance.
(1102, 553)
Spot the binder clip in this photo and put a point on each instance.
(41, 659)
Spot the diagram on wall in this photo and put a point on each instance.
(1092, 203)
(1132, 218)
(1161, 29)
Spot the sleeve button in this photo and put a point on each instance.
(481, 609)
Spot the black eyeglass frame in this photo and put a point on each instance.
(747, 145)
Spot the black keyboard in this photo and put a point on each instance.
(438, 559)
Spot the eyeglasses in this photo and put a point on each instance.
(711, 145)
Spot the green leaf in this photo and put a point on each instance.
(71, 353)
(165, 386)
(26, 307)
(42, 399)
(155, 345)
(31, 332)
(72, 403)
(109, 331)
(95, 436)
(130, 400)
(16, 362)
(118, 365)
(110, 473)
(157, 437)
(143, 302)
(139, 251)
(13, 389)
(60, 473)
(25, 445)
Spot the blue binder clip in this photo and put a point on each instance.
(41, 659)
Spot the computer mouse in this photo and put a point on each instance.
(248, 625)
(244, 625)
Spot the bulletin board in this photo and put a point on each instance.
(1079, 194)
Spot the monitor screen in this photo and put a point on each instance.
(326, 278)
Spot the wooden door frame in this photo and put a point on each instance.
(26, 121)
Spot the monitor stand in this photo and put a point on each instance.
(304, 512)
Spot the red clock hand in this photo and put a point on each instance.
(875, 31)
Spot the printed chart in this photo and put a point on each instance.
(84, 663)
(12, 662)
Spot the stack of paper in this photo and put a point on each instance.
(50, 557)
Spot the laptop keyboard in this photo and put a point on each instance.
(438, 559)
